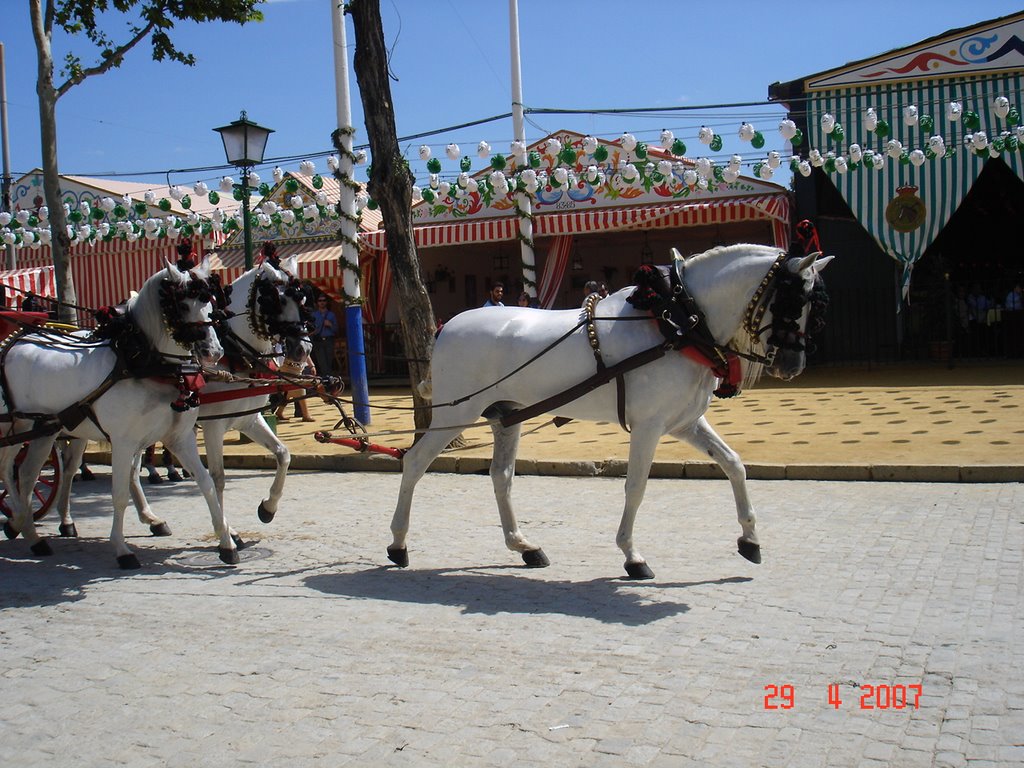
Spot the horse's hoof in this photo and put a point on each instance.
(639, 571)
(68, 529)
(265, 514)
(9, 531)
(154, 479)
(239, 542)
(128, 562)
(399, 557)
(749, 550)
(160, 529)
(535, 558)
(229, 556)
(41, 548)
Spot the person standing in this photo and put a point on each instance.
(325, 329)
(496, 296)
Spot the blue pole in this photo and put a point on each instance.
(357, 363)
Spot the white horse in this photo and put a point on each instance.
(264, 307)
(122, 393)
(492, 361)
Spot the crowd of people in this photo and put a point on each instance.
(988, 324)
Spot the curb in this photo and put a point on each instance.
(690, 470)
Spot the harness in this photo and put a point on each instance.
(135, 359)
(662, 291)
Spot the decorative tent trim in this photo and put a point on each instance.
(774, 208)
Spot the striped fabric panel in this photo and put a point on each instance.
(554, 271)
(941, 184)
(39, 280)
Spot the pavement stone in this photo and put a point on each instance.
(313, 651)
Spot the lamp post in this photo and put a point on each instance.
(244, 144)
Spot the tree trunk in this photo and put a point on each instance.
(59, 243)
(391, 186)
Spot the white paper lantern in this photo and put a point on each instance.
(425, 152)
(705, 135)
(666, 139)
(894, 148)
(519, 151)
(804, 168)
(735, 161)
(553, 146)
(483, 149)
(980, 140)
(664, 167)
(730, 174)
(856, 153)
(870, 119)
(828, 122)
(227, 184)
(815, 158)
(307, 167)
(278, 174)
(1001, 106)
(917, 158)
(200, 189)
(910, 114)
(841, 165)
(254, 179)
(953, 110)
(765, 171)
(452, 151)
(787, 129)
(746, 132)
(443, 189)
(689, 177)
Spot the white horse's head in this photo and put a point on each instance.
(795, 312)
(276, 308)
(173, 309)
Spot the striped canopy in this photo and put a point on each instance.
(939, 184)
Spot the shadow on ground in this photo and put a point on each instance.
(489, 591)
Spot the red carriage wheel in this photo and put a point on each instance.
(45, 490)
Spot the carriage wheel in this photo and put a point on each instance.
(44, 493)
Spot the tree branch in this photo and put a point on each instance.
(114, 60)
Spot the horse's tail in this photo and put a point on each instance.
(425, 389)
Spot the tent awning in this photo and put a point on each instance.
(773, 208)
(39, 280)
(318, 259)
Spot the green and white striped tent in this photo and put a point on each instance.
(904, 206)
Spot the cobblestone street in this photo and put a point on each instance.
(314, 652)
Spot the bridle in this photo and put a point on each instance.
(265, 306)
(788, 298)
(172, 295)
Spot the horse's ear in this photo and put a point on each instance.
(203, 270)
(806, 262)
(821, 263)
(173, 272)
(676, 255)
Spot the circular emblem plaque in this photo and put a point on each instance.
(906, 212)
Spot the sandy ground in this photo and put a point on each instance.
(922, 414)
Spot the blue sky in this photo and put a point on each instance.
(451, 60)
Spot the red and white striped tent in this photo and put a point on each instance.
(37, 280)
(104, 273)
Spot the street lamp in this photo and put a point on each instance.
(244, 144)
